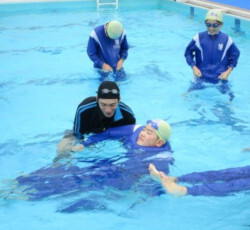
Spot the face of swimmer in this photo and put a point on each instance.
(213, 26)
(108, 106)
(149, 138)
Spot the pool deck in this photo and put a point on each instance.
(244, 4)
(239, 10)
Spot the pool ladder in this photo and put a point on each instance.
(106, 2)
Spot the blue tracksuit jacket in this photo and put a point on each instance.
(213, 54)
(102, 49)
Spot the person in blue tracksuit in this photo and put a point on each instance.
(212, 54)
(209, 183)
(153, 137)
(108, 47)
(144, 144)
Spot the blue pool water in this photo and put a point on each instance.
(44, 75)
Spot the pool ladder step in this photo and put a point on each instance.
(106, 3)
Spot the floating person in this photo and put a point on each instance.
(212, 55)
(209, 183)
(153, 137)
(108, 48)
(96, 114)
(144, 144)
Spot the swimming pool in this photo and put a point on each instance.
(45, 73)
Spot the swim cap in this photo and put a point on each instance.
(108, 90)
(214, 14)
(162, 129)
(114, 29)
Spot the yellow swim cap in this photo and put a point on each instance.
(114, 29)
(162, 129)
(214, 14)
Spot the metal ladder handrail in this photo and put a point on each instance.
(107, 3)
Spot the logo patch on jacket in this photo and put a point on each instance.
(220, 46)
(117, 44)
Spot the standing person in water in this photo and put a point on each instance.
(108, 48)
(212, 54)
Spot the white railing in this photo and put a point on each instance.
(234, 11)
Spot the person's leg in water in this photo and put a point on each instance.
(167, 182)
(197, 84)
(234, 180)
(216, 175)
(104, 75)
(120, 75)
(225, 88)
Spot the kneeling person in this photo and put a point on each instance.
(96, 114)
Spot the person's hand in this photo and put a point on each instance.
(106, 67)
(65, 144)
(77, 148)
(119, 64)
(196, 71)
(224, 76)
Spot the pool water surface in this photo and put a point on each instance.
(45, 73)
